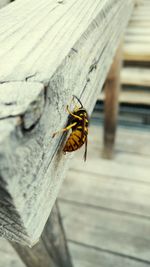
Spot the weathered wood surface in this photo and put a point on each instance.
(51, 250)
(87, 256)
(107, 230)
(114, 207)
(83, 256)
(34, 257)
(54, 239)
(52, 49)
(8, 257)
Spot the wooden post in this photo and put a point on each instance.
(51, 250)
(112, 88)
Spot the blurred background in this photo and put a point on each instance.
(105, 204)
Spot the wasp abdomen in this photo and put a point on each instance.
(75, 140)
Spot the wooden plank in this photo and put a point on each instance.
(51, 250)
(83, 256)
(144, 17)
(130, 135)
(136, 52)
(87, 256)
(140, 23)
(121, 156)
(100, 166)
(132, 97)
(137, 31)
(131, 197)
(135, 97)
(107, 230)
(142, 39)
(132, 157)
(34, 257)
(54, 239)
(60, 13)
(33, 165)
(135, 76)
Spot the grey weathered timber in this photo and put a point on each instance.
(54, 239)
(49, 50)
(112, 89)
(107, 230)
(51, 250)
(36, 256)
(88, 256)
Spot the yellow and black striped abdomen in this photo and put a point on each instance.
(74, 141)
(79, 133)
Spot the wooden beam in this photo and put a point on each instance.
(111, 89)
(50, 50)
(34, 257)
(51, 250)
(54, 239)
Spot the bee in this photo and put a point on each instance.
(77, 121)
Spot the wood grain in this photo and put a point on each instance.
(126, 195)
(56, 49)
(87, 256)
(107, 230)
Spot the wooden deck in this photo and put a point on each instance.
(105, 204)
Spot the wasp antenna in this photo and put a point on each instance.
(74, 96)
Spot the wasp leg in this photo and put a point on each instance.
(65, 129)
(75, 116)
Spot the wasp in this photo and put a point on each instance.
(78, 122)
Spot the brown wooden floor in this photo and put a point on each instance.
(105, 204)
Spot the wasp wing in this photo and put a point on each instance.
(84, 133)
(85, 153)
